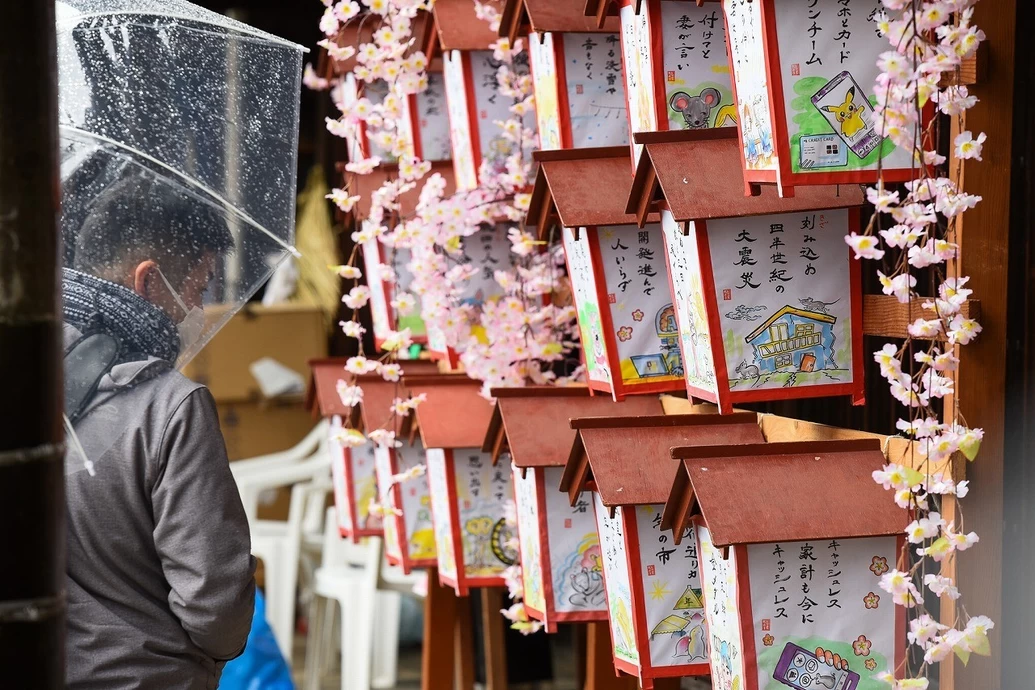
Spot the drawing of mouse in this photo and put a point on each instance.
(848, 114)
(696, 110)
(748, 371)
(589, 588)
(814, 305)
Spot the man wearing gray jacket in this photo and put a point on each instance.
(160, 574)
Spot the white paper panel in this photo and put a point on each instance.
(528, 537)
(378, 290)
(433, 119)
(356, 497)
(460, 135)
(575, 561)
(822, 595)
(719, 581)
(744, 23)
(596, 101)
(482, 490)
(493, 106)
(828, 63)
(639, 82)
(364, 486)
(394, 542)
(672, 592)
(783, 292)
(583, 285)
(688, 290)
(419, 538)
(438, 486)
(547, 106)
(696, 72)
(616, 579)
(640, 300)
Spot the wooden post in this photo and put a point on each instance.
(984, 251)
(464, 636)
(492, 631)
(32, 496)
(600, 669)
(440, 620)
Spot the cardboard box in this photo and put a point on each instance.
(292, 334)
(251, 429)
(258, 428)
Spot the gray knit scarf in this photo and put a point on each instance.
(92, 304)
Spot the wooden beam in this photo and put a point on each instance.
(600, 670)
(440, 620)
(494, 644)
(885, 316)
(981, 384)
(777, 429)
(464, 644)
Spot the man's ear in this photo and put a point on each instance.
(143, 277)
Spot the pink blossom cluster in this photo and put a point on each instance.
(919, 223)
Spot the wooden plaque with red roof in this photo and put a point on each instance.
(468, 493)
(560, 553)
(653, 586)
(767, 297)
(793, 539)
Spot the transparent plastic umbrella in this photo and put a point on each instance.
(178, 143)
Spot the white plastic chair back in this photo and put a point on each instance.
(338, 551)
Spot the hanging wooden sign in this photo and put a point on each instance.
(653, 585)
(487, 250)
(577, 72)
(619, 281)
(793, 598)
(561, 566)
(352, 469)
(473, 100)
(804, 77)
(676, 71)
(408, 535)
(468, 493)
(768, 299)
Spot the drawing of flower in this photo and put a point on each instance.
(871, 600)
(768, 640)
(861, 646)
(637, 315)
(625, 333)
(870, 664)
(879, 565)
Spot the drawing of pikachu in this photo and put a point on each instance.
(848, 114)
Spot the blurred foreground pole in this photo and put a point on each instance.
(32, 497)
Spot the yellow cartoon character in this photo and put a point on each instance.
(479, 542)
(848, 114)
(422, 541)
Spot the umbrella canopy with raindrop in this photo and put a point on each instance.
(178, 144)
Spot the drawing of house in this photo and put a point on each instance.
(794, 339)
(669, 361)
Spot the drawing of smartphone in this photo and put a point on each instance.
(802, 670)
(847, 109)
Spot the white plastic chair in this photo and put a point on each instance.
(348, 577)
(368, 593)
(277, 543)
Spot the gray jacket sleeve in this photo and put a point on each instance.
(201, 532)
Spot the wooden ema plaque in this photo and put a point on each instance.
(804, 76)
(676, 72)
(790, 586)
(768, 299)
(653, 586)
(561, 568)
(468, 492)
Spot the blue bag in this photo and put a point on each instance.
(261, 667)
